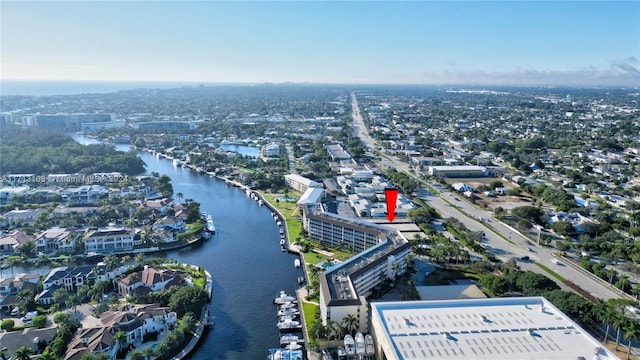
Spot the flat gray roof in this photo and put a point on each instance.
(492, 329)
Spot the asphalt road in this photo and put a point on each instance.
(454, 205)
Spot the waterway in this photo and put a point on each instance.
(244, 259)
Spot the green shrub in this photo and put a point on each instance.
(7, 324)
(40, 321)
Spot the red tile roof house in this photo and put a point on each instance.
(134, 320)
(150, 278)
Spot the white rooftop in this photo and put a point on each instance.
(498, 328)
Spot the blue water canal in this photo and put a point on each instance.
(244, 259)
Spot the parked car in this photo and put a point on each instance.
(525, 258)
(29, 316)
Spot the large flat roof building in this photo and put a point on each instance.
(453, 171)
(491, 329)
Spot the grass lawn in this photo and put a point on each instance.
(309, 311)
(551, 272)
(294, 227)
(312, 258)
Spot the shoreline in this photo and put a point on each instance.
(270, 206)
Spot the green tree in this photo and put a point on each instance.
(7, 324)
(497, 285)
(187, 298)
(607, 316)
(120, 338)
(28, 249)
(60, 296)
(563, 228)
(23, 353)
(631, 332)
(619, 322)
(40, 321)
(351, 324)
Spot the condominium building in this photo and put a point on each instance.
(344, 288)
(340, 231)
(300, 183)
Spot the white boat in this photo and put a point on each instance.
(293, 346)
(288, 338)
(260, 202)
(369, 348)
(285, 354)
(281, 231)
(296, 263)
(342, 354)
(283, 298)
(349, 345)
(288, 325)
(288, 305)
(279, 223)
(210, 226)
(288, 312)
(360, 350)
(281, 241)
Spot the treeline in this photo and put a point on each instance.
(403, 181)
(40, 151)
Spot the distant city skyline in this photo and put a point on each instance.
(574, 43)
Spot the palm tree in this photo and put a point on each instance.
(619, 322)
(120, 338)
(23, 297)
(607, 315)
(23, 353)
(148, 353)
(329, 329)
(188, 323)
(3, 353)
(350, 322)
(631, 332)
(179, 196)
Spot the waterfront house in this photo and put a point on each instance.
(160, 205)
(17, 218)
(169, 222)
(9, 242)
(109, 239)
(134, 320)
(51, 240)
(68, 277)
(10, 287)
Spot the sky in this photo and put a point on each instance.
(583, 43)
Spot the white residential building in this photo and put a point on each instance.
(301, 183)
(109, 239)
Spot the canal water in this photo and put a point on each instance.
(244, 259)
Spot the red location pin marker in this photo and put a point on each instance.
(392, 196)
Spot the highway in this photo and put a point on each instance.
(450, 204)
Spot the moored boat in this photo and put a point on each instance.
(283, 298)
(369, 349)
(296, 263)
(349, 345)
(210, 226)
(360, 347)
(288, 338)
